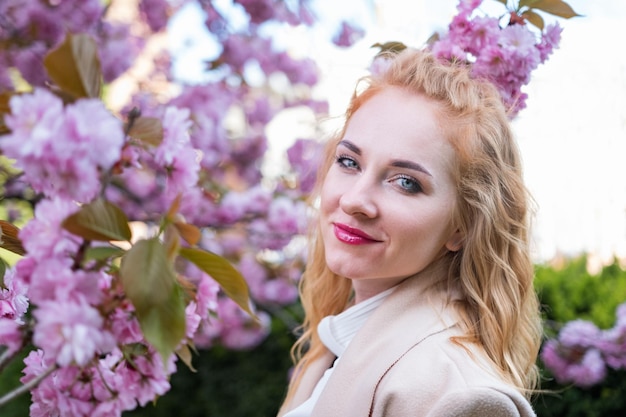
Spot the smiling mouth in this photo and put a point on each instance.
(352, 236)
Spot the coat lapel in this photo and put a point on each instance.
(402, 321)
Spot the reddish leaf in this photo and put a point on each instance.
(184, 353)
(147, 130)
(99, 220)
(174, 207)
(534, 18)
(4, 110)
(9, 239)
(74, 66)
(189, 232)
(171, 242)
(555, 7)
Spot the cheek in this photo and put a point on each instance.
(329, 197)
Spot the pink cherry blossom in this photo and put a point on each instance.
(235, 329)
(176, 126)
(13, 297)
(304, 156)
(44, 236)
(56, 279)
(124, 325)
(155, 13)
(259, 10)
(71, 332)
(11, 336)
(505, 55)
(206, 296)
(68, 148)
(574, 357)
(117, 48)
(33, 119)
(348, 35)
(147, 378)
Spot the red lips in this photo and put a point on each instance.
(352, 236)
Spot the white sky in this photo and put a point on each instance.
(572, 134)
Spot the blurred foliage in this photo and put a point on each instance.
(252, 383)
(606, 399)
(569, 292)
(9, 380)
(229, 383)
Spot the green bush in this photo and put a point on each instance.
(571, 292)
(566, 294)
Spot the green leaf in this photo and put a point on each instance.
(74, 66)
(163, 325)
(9, 239)
(534, 18)
(555, 7)
(432, 39)
(231, 281)
(147, 130)
(102, 253)
(99, 220)
(392, 46)
(149, 282)
(146, 274)
(3, 271)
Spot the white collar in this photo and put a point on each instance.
(337, 331)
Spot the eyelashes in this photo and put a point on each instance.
(345, 161)
(409, 184)
(405, 183)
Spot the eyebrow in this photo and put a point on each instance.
(398, 163)
(350, 146)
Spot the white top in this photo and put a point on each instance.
(336, 332)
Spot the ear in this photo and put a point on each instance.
(455, 242)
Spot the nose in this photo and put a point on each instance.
(360, 199)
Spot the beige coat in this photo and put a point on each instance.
(402, 363)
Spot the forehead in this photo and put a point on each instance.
(400, 124)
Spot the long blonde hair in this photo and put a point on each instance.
(493, 271)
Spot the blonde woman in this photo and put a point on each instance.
(418, 294)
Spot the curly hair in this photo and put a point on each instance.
(493, 271)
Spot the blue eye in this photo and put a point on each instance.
(408, 184)
(346, 162)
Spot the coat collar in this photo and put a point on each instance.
(383, 340)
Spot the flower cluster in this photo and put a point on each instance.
(582, 353)
(506, 55)
(42, 131)
(109, 311)
(82, 325)
(33, 27)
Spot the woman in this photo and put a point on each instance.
(418, 294)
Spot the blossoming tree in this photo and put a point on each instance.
(153, 231)
(106, 307)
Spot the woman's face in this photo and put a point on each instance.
(388, 198)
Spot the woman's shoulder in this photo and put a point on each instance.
(444, 354)
(480, 401)
(451, 380)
